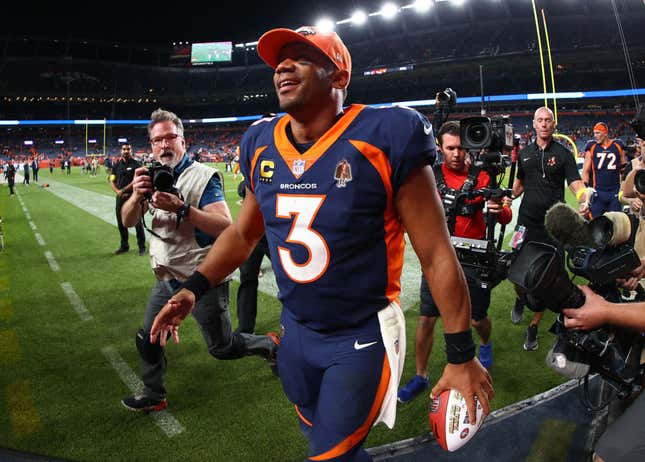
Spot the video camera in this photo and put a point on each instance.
(485, 138)
(600, 251)
(492, 133)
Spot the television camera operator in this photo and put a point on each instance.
(456, 177)
(624, 440)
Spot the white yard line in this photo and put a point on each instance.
(164, 419)
(52, 261)
(76, 302)
(40, 239)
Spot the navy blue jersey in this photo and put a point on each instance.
(329, 212)
(606, 162)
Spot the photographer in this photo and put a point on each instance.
(466, 220)
(184, 225)
(624, 440)
(543, 167)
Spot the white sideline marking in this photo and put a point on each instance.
(76, 302)
(164, 419)
(32, 225)
(52, 261)
(40, 239)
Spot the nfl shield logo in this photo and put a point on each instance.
(298, 167)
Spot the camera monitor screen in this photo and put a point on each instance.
(208, 53)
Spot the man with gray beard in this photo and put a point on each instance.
(184, 225)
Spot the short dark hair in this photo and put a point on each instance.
(451, 127)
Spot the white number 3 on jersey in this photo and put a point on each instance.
(303, 210)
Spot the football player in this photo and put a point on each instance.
(334, 189)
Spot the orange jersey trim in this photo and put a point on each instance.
(290, 154)
(592, 152)
(394, 236)
(302, 417)
(254, 161)
(353, 439)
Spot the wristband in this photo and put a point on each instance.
(197, 284)
(460, 347)
(620, 194)
(580, 193)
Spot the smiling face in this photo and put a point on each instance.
(168, 146)
(303, 77)
(126, 151)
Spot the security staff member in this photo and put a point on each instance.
(121, 183)
(543, 167)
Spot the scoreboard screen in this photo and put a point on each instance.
(209, 53)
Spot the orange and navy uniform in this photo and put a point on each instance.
(337, 245)
(329, 231)
(236, 161)
(606, 165)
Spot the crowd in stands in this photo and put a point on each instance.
(217, 143)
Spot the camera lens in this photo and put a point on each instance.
(639, 181)
(163, 180)
(476, 134)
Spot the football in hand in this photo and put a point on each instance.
(450, 422)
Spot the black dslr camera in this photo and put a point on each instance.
(162, 178)
(538, 269)
(447, 96)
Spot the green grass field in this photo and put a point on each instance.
(60, 391)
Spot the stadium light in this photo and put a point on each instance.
(457, 2)
(389, 10)
(359, 17)
(422, 6)
(326, 24)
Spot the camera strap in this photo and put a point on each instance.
(450, 197)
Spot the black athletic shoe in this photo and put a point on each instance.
(531, 343)
(121, 250)
(144, 404)
(142, 252)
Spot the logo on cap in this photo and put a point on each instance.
(306, 31)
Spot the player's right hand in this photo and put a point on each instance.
(171, 316)
(470, 379)
(142, 184)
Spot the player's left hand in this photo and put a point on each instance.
(470, 379)
(166, 201)
(171, 316)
